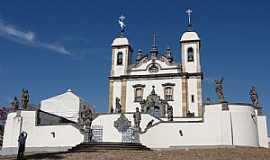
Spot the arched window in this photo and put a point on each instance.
(119, 58)
(168, 93)
(190, 54)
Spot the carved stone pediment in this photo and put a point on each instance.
(153, 68)
(154, 105)
(122, 124)
(153, 65)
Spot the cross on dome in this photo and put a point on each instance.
(189, 12)
(154, 40)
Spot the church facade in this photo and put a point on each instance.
(179, 85)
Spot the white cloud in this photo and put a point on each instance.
(28, 38)
(55, 47)
(11, 31)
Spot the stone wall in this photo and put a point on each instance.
(56, 137)
(217, 127)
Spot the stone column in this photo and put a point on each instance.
(184, 95)
(113, 60)
(199, 95)
(123, 94)
(110, 95)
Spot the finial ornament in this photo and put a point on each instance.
(154, 40)
(122, 24)
(154, 50)
(153, 92)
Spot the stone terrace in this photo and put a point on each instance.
(181, 154)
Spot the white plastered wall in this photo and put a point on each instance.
(219, 128)
(233, 127)
(159, 89)
(110, 133)
(66, 105)
(262, 131)
(38, 136)
(243, 125)
(204, 133)
(193, 90)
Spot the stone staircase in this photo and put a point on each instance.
(103, 146)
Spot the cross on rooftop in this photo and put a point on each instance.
(154, 40)
(189, 12)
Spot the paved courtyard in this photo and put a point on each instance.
(193, 154)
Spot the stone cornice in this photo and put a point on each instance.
(138, 86)
(168, 84)
(122, 46)
(190, 41)
(230, 103)
(166, 75)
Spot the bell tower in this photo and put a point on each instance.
(121, 52)
(190, 48)
(191, 67)
(121, 56)
(121, 59)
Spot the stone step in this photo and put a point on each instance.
(88, 147)
(110, 144)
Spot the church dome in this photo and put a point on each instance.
(120, 41)
(190, 36)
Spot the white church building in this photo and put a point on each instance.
(178, 84)
(152, 84)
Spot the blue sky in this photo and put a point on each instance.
(48, 47)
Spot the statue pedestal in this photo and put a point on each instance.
(224, 106)
(259, 111)
(87, 135)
